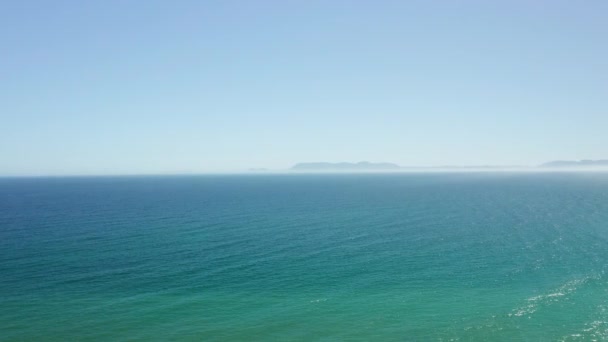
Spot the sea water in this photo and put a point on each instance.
(384, 257)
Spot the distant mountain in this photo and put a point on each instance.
(575, 163)
(360, 166)
(480, 167)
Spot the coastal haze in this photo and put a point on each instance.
(365, 166)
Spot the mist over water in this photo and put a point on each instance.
(446, 256)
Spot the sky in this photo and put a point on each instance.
(145, 87)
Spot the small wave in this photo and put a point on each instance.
(594, 331)
(545, 299)
(319, 300)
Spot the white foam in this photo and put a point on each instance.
(318, 300)
(545, 299)
(594, 331)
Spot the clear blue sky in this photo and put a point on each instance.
(104, 87)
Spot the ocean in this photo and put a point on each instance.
(361, 257)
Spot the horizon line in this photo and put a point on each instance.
(406, 170)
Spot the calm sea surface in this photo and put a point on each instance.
(400, 257)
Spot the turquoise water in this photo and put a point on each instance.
(463, 257)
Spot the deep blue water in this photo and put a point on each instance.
(481, 256)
